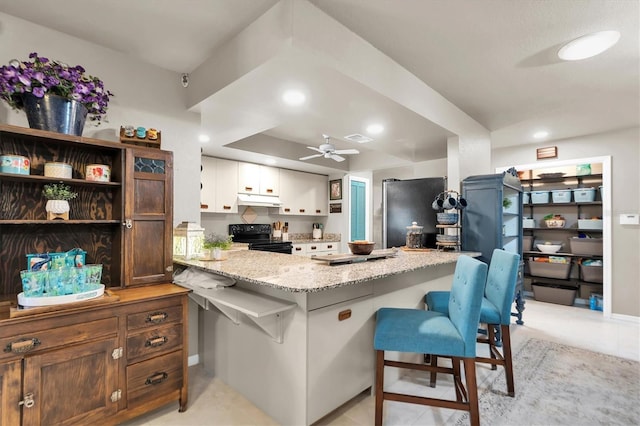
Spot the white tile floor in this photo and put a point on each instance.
(211, 402)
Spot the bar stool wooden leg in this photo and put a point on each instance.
(432, 376)
(508, 363)
(491, 334)
(472, 390)
(379, 387)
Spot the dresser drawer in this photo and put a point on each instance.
(48, 338)
(153, 342)
(154, 378)
(154, 315)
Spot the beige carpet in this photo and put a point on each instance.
(562, 385)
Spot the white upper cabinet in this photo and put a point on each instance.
(219, 181)
(257, 179)
(303, 193)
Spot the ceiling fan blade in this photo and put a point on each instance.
(347, 151)
(337, 157)
(316, 149)
(311, 156)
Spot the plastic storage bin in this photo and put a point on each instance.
(539, 197)
(590, 223)
(561, 196)
(528, 223)
(586, 246)
(527, 243)
(584, 195)
(554, 294)
(549, 270)
(592, 274)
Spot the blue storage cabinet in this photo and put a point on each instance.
(493, 219)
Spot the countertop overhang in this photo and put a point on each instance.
(301, 274)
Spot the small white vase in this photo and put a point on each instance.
(218, 253)
(57, 206)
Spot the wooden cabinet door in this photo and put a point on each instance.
(147, 256)
(73, 385)
(10, 381)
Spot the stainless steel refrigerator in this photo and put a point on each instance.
(406, 201)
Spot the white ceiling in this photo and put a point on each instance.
(494, 60)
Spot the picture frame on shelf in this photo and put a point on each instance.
(335, 189)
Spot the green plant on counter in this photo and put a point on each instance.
(506, 203)
(58, 191)
(223, 242)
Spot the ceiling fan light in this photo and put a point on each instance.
(588, 45)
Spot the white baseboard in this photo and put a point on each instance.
(626, 318)
(194, 360)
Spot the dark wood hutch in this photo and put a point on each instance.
(108, 359)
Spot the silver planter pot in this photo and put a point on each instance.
(55, 113)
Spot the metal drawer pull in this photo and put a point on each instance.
(154, 342)
(343, 315)
(156, 379)
(21, 346)
(28, 401)
(157, 317)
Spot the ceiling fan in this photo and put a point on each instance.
(327, 150)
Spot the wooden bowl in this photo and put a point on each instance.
(361, 247)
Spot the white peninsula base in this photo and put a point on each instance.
(326, 356)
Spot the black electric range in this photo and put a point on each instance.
(258, 236)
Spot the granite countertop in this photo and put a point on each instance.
(302, 274)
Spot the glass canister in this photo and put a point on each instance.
(414, 235)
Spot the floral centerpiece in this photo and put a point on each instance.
(42, 76)
(217, 244)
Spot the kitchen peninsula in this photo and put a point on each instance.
(295, 335)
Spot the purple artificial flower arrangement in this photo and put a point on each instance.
(44, 76)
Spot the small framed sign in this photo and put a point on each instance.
(335, 208)
(335, 189)
(549, 152)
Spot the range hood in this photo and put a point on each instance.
(259, 200)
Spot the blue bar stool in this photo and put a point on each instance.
(451, 335)
(495, 312)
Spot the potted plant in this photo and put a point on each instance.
(58, 195)
(217, 244)
(41, 84)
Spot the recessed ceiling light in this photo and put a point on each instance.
(588, 45)
(541, 134)
(293, 97)
(204, 138)
(375, 128)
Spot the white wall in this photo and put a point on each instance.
(624, 148)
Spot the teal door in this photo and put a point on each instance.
(358, 210)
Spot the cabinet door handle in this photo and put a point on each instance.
(330, 246)
(287, 209)
(204, 206)
(313, 247)
(156, 379)
(226, 207)
(21, 346)
(343, 315)
(269, 191)
(157, 317)
(298, 248)
(248, 188)
(154, 342)
(301, 210)
(28, 401)
(128, 223)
